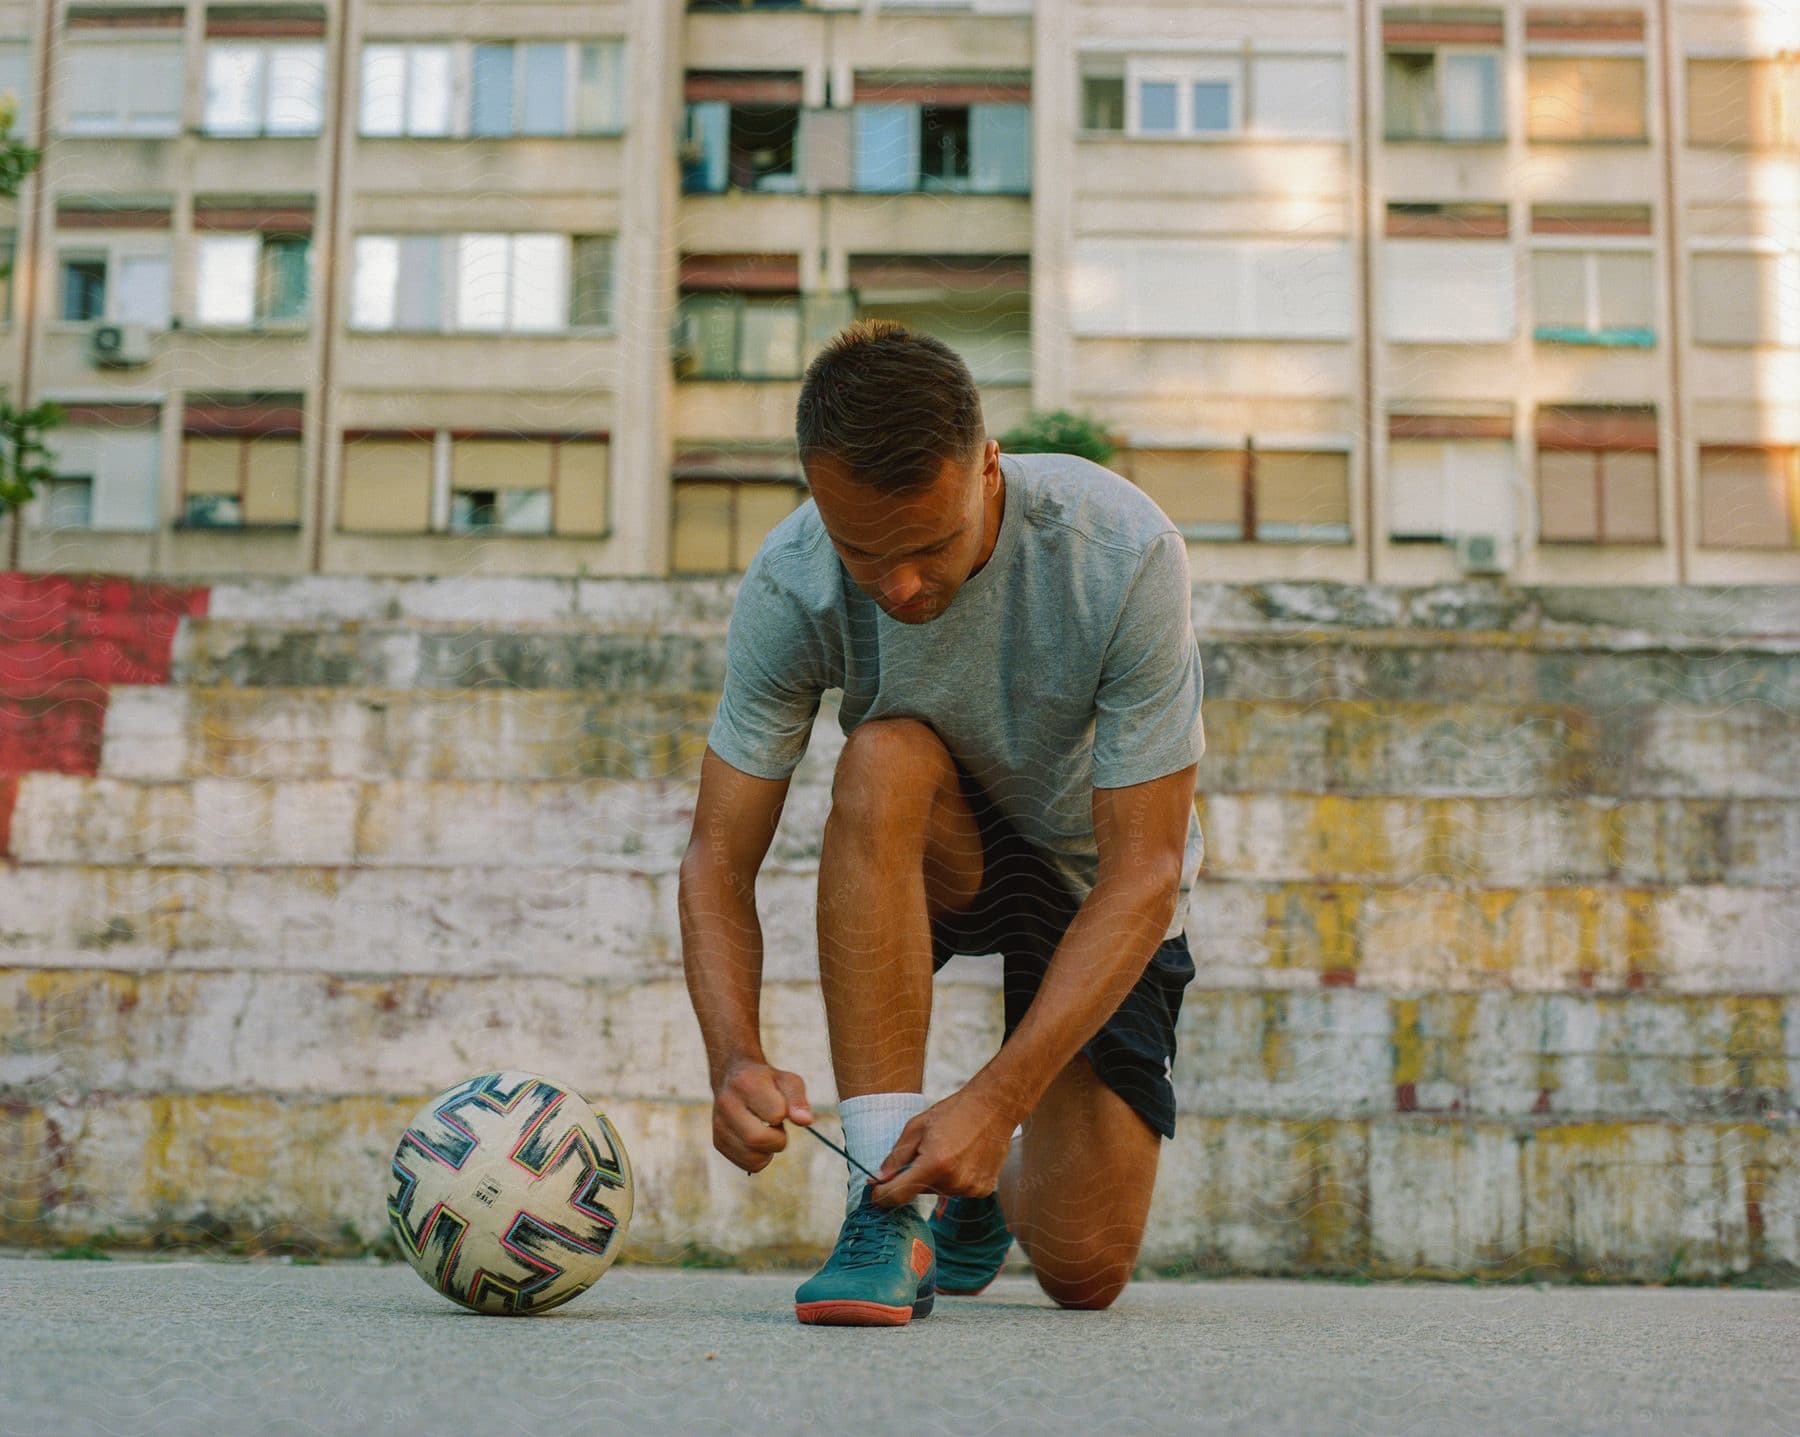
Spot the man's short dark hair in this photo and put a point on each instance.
(889, 404)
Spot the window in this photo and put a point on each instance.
(1443, 94)
(1749, 496)
(1212, 289)
(118, 284)
(1593, 296)
(1747, 297)
(482, 283)
(230, 481)
(1596, 475)
(122, 87)
(737, 336)
(387, 482)
(107, 478)
(1196, 96)
(1448, 291)
(251, 279)
(1103, 94)
(477, 483)
(1439, 488)
(1262, 495)
(264, 88)
(553, 88)
(15, 85)
(558, 87)
(718, 524)
(1584, 97)
(407, 90)
(1747, 102)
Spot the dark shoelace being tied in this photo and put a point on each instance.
(868, 1237)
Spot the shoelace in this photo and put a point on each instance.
(868, 1237)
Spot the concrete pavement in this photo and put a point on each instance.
(177, 1346)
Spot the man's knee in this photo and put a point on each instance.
(1089, 1281)
(887, 773)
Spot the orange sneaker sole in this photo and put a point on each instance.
(843, 1312)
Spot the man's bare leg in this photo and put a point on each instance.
(1076, 1191)
(900, 846)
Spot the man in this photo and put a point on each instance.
(1021, 700)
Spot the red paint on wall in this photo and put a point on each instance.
(64, 640)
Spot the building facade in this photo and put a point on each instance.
(1360, 291)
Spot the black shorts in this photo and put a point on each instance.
(1021, 912)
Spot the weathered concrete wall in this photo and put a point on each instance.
(1498, 936)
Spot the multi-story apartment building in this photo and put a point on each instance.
(1360, 290)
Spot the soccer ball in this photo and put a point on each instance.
(509, 1193)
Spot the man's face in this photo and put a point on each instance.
(909, 553)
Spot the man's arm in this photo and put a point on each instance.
(735, 818)
(1141, 835)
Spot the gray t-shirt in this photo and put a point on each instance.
(1067, 662)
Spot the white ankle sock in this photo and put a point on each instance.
(872, 1125)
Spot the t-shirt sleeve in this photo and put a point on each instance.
(1147, 708)
(772, 688)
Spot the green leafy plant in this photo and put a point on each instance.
(1058, 431)
(24, 460)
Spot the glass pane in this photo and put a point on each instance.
(1302, 497)
(1103, 102)
(540, 276)
(69, 504)
(296, 89)
(1417, 490)
(771, 342)
(383, 89)
(1471, 98)
(234, 75)
(1000, 148)
(143, 292)
(421, 301)
(545, 107)
(1156, 107)
(225, 279)
(376, 284)
(708, 144)
(715, 320)
(1212, 106)
(152, 87)
(214, 511)
(428, 92)
(84, 289)
(1411, 94)
(481, 263)
(525, 511)
(1559, 279)
(590, 303)
(599, 91)
(887, 153)
(492, 106)
(287, 278)
(1624, 282)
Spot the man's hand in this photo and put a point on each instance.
(955, 1146)
(753, 1101)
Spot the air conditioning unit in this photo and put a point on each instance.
(1483, 553)
(119, 346)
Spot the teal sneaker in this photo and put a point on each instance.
(972, 1241)
(882, 1273)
